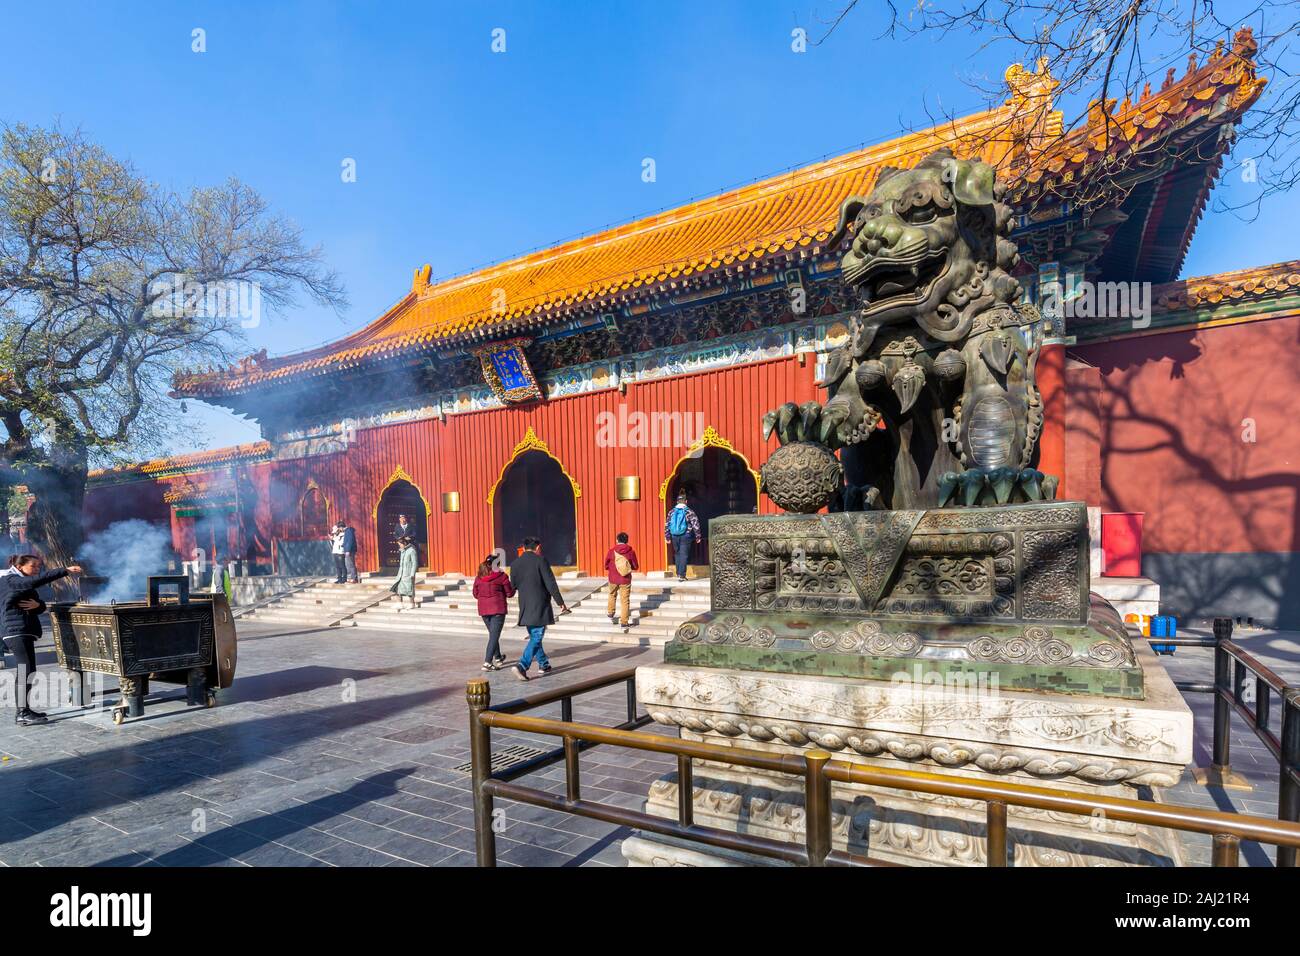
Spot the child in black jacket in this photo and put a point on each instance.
(20, 622)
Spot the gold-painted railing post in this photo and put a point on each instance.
(1288, 791)
(997, 833)
(1226, 850)
(478, 694)
(817, 806)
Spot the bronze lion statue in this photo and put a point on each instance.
(932, 400)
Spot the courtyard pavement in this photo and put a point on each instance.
(342, 746)
(333, 747)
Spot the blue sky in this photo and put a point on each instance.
(464, 156)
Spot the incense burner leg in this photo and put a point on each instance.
(196, 687)
(133, 691)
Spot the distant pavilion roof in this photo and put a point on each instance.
(793, 214)
(182, 464)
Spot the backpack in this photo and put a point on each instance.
(677, 521)
(622, 565)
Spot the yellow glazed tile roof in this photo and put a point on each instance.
(793, 211)
(194, 461)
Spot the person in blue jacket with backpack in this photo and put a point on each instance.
(681, 529)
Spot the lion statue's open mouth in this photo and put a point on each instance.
(888, 283)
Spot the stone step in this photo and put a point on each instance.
(385, 579)
(589, 609)
(285, 617)
(1129, 595)
(657, 609)
(641, 634)
(318, 609)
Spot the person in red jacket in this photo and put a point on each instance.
(492, 588)
(620, 562)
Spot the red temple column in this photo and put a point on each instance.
(1050, 371)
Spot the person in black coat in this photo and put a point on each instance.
(534, 582)
(404, 529)
(350, 552)
(20, 622)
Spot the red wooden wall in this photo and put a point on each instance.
(468, 453)
(473, 449)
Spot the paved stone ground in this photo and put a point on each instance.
(338, 747)
(286, 772)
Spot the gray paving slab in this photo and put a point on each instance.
(335, 748)
(331, 749)
(1250, 758)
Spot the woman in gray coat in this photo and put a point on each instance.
(408, 559)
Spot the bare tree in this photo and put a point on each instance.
(1098, 52)
(109, 285)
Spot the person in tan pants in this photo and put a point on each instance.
(620, 562)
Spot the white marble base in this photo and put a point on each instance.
(1087, 744)
(1096, 556)
(1129, 595)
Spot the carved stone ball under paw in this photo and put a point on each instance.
(802, 477)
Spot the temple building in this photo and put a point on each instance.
(572, 393)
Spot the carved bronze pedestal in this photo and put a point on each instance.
(994, 593)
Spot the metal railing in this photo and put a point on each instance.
(815, 767)
(1246, 686)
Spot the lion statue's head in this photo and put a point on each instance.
(929, 245)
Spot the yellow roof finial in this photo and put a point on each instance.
(421, 280)
(1031, 87)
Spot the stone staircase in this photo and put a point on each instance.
(658, 607)
(659, 603)
(328, 604)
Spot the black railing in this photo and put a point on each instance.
(1246, 686)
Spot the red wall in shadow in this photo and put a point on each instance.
(1173, 419)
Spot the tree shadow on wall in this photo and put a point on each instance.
(1198, 451)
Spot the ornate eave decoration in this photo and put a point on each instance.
(531, 442)
(400, 474)
(710, 439)
(507, 372)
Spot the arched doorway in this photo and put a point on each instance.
(717, 482)
(534, 498)
(313, 514)
(400, 498)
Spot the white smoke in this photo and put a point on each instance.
(126, 553)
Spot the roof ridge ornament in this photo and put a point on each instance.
(1032, 96)
(1026, 86)
(420, 283)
